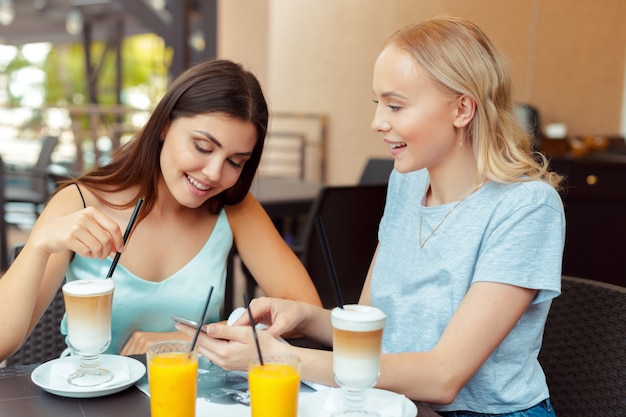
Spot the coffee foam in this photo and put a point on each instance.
(89, 287)
(358, 318)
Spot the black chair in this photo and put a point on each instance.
(350, 215)
(31, 184)
(46, 341)
(376, 171)
(594, 198)
(584, 349)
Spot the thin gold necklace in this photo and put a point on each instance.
(422, 243)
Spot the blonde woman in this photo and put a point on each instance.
(470, 244)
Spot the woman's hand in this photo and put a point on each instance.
(231, 347)
(139, 342)
(88, 232)
(280, 316)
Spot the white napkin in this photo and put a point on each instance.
(387, 403)
(63, 368)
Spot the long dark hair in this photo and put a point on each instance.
(212, 86)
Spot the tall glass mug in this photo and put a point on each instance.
(357, 339)
(173, 379)
(274, 386)
(88, 309)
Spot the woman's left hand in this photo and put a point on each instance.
(139, 342)
(231, 347)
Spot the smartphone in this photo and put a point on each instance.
(187, 322)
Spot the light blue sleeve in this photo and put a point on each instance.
(523, 245)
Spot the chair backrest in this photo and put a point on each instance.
(376, 171)
(584, 349)
(41, 179)
(46, 341)
(350, 215)
(4, 250)
(284, 155)
(49, 143)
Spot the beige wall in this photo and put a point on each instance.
(567, 58)
(243, 30)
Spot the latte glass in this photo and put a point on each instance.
(88, 308)
(357, 339)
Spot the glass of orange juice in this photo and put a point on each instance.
(274, 386)
(173, 379)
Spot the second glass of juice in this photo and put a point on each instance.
(173, 379)
(274, 386)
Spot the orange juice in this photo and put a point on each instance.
(274, 387)
(172, 377)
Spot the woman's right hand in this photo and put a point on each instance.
(287, 316)
(88, 232)
(32, 280)
(277, 314)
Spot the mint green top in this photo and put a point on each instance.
(148, 306)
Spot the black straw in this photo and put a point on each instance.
(131, 222)
(256, 338)
(329, 260)
(201, 322)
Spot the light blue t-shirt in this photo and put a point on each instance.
(148, 306)
(507, 233)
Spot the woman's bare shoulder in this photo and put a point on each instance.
(67, 198)
(249, 202)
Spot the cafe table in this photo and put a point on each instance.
(20, 397)
(285, 197)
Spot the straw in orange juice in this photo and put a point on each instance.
(274, 389)
(173, 382)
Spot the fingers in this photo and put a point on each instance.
(140, 341)
(236, 334)
(183, 328)
(134, 345)
(94, 234)
(127, 350)
(276, 313)
(218, 334)
(262, 310)
(230, 347)
(226, 346)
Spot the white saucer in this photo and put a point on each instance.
(52, 376)
(315, 404)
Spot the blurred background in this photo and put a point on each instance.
(89, 71)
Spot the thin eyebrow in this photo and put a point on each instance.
(218, 143)
(388, 94)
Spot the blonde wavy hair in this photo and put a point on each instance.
(462, 59)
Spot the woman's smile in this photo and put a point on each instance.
(197, 184)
